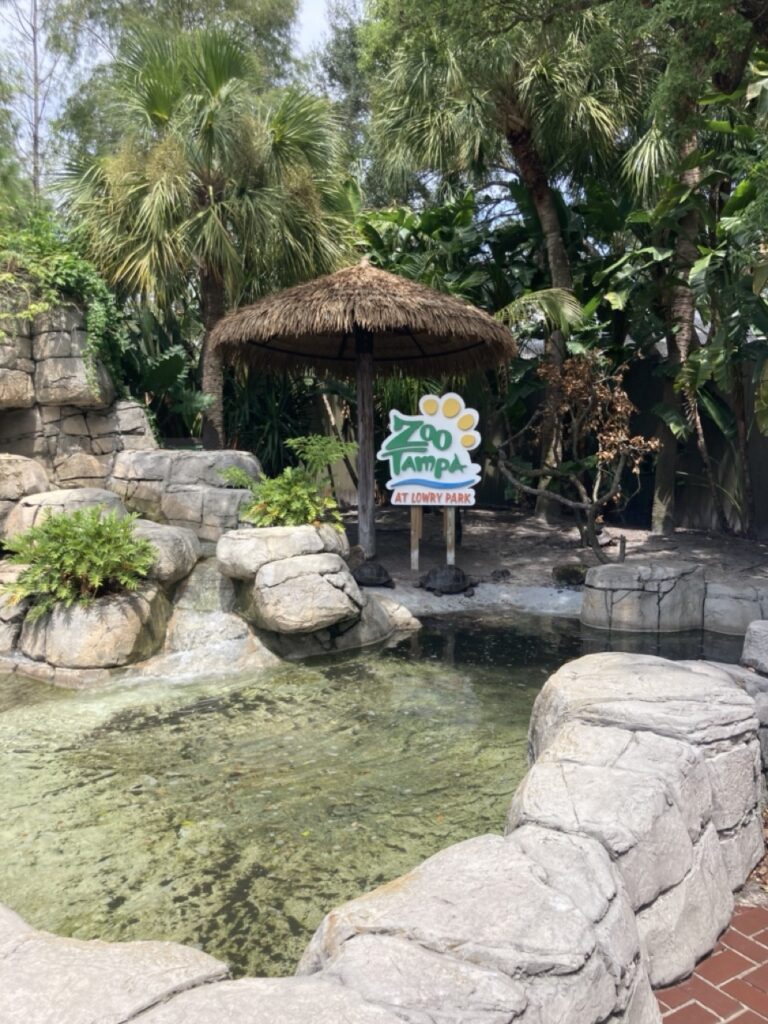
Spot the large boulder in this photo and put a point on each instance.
(481, 932)
(241, 553)
(269, 1001)
(19, 476)
(176, 550)
(33, 508)
(303, 594)
(114, 630)
(644, 598)
(45, 979)
(755, 651)
(69, 380)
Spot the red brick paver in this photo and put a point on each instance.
(730, 985)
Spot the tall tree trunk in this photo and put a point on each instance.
(681, 309)
(36, 125)
(740, 414)
(213, 308)
(534, 177)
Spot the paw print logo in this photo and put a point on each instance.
(449, 412)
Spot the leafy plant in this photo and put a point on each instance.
(290, 499)
(45, 264)
(73, 558)
(297, 496)
(317, 452)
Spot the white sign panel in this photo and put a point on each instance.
(428, 454)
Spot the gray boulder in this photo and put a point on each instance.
(643, 692)
(631, 814)
(177, 550)
(683, 924)
(67, 380)
(268, 1001)
(49, 980)
(16, 389)
(729, 608)
(755, 651)
(241, 553)
(33, 508)
(420, 985)
(114, 630)
(184, 488)
(303, 595)
(20, 476)
(459, 928)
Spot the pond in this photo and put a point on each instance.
(233, 815)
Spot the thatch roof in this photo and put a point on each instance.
(415, 329)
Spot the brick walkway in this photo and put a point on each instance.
(731, 984)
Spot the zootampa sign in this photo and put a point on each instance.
(429, 455)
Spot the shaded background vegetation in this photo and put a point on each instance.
(592, 171)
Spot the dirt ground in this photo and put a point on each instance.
(529, 548)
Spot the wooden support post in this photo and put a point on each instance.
(366, 510)
(450, 536)
(416, 521)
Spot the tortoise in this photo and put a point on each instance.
(372, 574)
(447, 579)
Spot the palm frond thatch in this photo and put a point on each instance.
(414, 328)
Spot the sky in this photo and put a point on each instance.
(311, 25)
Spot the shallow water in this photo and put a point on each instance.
(233, 815)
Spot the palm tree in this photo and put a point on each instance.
(541, 100)
(216, 188)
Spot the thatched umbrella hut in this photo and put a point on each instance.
(352, 321)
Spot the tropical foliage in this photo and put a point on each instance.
(299, 495)
(74, 558)
(593, 172)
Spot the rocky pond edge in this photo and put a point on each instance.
(637, 821)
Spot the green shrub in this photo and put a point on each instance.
(42, 261)
(291, 499)
(73, 558)
(316, 452)
(297, 496)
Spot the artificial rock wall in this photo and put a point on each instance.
(57, 408)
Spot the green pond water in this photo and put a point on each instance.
(233, 815)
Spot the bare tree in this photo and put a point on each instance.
(599, 452)
(35, 72)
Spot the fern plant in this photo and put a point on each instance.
(75, 557)
(297, 496)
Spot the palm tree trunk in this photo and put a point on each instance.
(680, 324)
(213, 308)
(533, 175)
